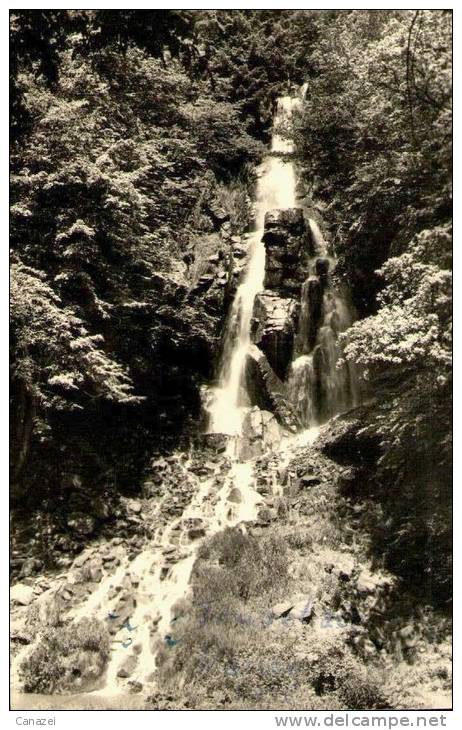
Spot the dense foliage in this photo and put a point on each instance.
(375, 136)
(117, 153)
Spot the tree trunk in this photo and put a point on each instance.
(24, 427)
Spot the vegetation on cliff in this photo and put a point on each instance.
(374, 135)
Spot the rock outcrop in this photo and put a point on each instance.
(260, 433)
(311, 314)
(274, 328)
(267, 391)
(288, 248)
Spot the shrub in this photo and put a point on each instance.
(67, 658)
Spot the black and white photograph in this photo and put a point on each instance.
(230, 270)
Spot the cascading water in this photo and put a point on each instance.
(320, 385)
(275, 189)
(316, 386)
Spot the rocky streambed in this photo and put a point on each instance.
(99, 626)
(129, 583)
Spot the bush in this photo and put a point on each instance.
(240, 566)
(68, 658)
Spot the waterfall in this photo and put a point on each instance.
(275, 189)
(316, 386)
(319, 242)
(319, 384)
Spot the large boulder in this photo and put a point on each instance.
(260, 433)
(274, 327)
(267, 391)
(288, 247)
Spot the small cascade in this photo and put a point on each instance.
(319, 243)
(320, 384)
(224, 499)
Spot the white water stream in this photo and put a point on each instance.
(275, 189)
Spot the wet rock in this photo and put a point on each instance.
(128, 666)
(239, 252)
(263, 488)
(235, 495)
(22, 594)
(311, 314)
(135, 687)
(260, 433)
(216, 442)
(266, 516)
(273, 329)
(291, 219)
(302, 611)
(203, 470)
(267, 391)
(288, 247)
(322, 269)
(169, 550)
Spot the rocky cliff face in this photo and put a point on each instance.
(288, 246)
(296, 324)
(275, 327)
